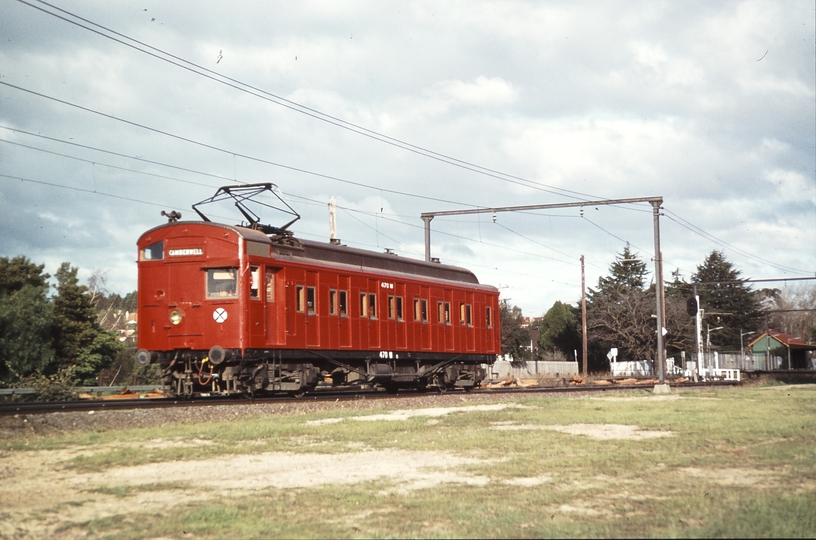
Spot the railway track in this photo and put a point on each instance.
(16, 408)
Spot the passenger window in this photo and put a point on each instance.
(332, 302)
(255, 282)
(372, 305)
(440, 312)
(399, 308)
(417, 310)
(424, 310)
(310, 300)
(461, 313)
(489, 317)
(270, 286)
(300, 299)
(391, 307)
(343, 304)
(153, 252)
(447, 313)
(468, 314)
(222, 283)
(363, 304)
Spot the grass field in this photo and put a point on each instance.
(726, 462)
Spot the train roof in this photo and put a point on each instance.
(341, 255)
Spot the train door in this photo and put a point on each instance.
(153, 305)
(257, 308)
(343, 309)
(374, 314)
(312, 310)
(275, 320)
(399, 308)
(296, 313)
(470, 331)
(448, 316)
(184, 294)
(361, 298)
(490, 331)
(426, 327)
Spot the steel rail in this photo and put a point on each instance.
(16, 408)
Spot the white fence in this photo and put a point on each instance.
(524, 370)
(634, 367)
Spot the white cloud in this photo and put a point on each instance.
(484, 91)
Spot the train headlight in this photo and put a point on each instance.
(176, 316)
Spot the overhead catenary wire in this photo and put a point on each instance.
(294, 104)
(235, 153)
(297, 107)
(710, 237)
(459, 237)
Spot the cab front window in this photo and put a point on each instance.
(153, 252)
(222, 283)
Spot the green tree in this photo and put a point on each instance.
(627, 273)
(679, 323)
(619, 312)
(26, 319)
(79, 341)
(559, 330)
(17, 272)
(727, 301)
(515, 337)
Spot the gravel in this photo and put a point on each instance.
(26, 425)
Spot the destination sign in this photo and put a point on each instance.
(187, 252)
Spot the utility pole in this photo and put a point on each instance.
(698, 322)
(659, 292)
(583, 319)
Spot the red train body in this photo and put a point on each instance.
(229, 309)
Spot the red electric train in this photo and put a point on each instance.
(252, 309)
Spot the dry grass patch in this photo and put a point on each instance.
(595, 431)
(406, 414)
(735, 477)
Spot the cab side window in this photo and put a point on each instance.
(222, 283)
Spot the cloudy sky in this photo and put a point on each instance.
(113, 111)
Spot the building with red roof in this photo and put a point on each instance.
(783, 351)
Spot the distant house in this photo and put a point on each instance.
(782, 351)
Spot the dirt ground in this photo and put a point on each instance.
(41, 497)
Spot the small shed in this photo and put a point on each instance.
(782, 351)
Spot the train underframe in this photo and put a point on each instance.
(221, 371)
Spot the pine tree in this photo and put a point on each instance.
(627, 273)
(619, 312)
(26, 318)
(79, 341)
(727, 301)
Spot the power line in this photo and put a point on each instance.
(243, 87)
(708, 236)
(73, 188)
(232, 153)
(297, 107)
(109, 152)
(76, 158)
